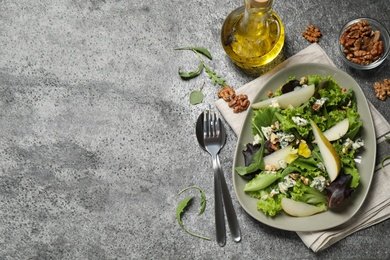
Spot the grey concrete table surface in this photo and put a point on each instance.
(97, 133)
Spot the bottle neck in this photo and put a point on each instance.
(256, 14)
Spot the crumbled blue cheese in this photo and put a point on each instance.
(267, 131)
(285, 139)
(282, 187)
(299, 121)
(321, 166)
(273, 192)
(288, 182)
(351, 144)
(321, 101)
(257, 139)
(348, 143)
(358, 143)
(319, 183)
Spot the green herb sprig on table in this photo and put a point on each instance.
(183, 205)
(197, 96)
(387, 157)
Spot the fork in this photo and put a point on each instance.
(214, 140)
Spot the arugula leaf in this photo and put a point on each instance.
(191, 74)
(387, 137)
(183, 205)
(383, 162)
(215, 78)
(180, 209)
(201, 50)
(202, 198)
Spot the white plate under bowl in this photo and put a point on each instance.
(332, 217)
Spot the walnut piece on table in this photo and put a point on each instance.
(239, 103)
(382, 89)
(226, 93)
(361, 44)
(312, 34)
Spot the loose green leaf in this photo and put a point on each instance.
(387, 157)
(180, 209)
(214, 77)
(196, 97)
(191, 74)
(202, 198)
(201, 50)
(383, 162)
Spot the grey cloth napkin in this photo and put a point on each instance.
(376, 207)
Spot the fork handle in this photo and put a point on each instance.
(219, 217)
(230, 212)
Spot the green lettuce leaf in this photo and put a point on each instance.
(271, 206)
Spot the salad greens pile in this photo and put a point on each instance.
(302, 175)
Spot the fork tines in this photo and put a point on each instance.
(211, 127)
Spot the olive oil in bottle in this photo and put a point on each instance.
(253, 37)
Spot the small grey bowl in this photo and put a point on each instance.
(385, 37)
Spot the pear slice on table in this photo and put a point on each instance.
(294, 98)
(329, 154)
(300, 209)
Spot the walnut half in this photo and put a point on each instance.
(382, 89)
(312, 34)
(226, 93)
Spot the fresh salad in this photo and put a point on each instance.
(305, 140)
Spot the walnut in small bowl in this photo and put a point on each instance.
(364, 43)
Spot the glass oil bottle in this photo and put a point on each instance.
(253, 37)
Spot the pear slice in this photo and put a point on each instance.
(275, 157)
(337, 131)
(294, 98)
(300, 209)
(329, 154)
